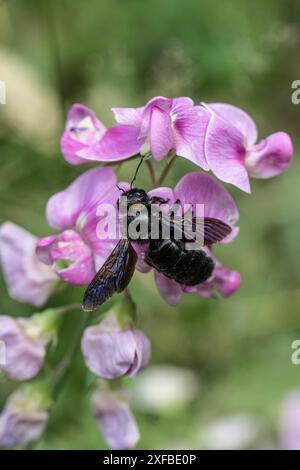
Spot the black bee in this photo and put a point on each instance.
(169, 256)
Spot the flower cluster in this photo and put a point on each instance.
(215, 137)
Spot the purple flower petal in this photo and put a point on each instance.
(27, 278)
(160, 133)
(225, 152)
(289, 436)
(114, 419)
(142, 353)
(23, 419)
(190, 129)
(199, 188)
(23, 356)
(83, 129)
(239, 119)
(170, 290)
(128, 116)
(69, 256)
(92, 187)
(223, 281)
(118, 143)
(270, 157)
(111, 352)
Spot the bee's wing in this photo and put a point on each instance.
(113, 276)
(215, 230)
(208, 229)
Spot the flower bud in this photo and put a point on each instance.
(113, 416)
(25, 341)
(111, 350)
(24, 416)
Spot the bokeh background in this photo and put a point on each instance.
(230, 359)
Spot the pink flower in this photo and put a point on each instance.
(162, 125)
(111, 350)
(199, 188)
(167, 124)
(24, 350)
(289, 436)
(28, 280)
(76, 253)
(114, 418)
(231, 151)
(85, 138)
(24, 417)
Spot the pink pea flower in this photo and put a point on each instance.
(199, 188)
(86, 138)
(289, 431)
(167, 124)
(76, 253)
(111, 350)
(162, 125)
(27, 278)
(24, 416)
(25, 341)
(114, 418)
(231, 150)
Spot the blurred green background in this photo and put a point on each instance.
(107, 53)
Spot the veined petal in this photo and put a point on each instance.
(161, 134)
(199, 188)
(27, 278)
(225, 152)
(128, 116)
(64, 208)
(190, 128)
(170, 290)
(118, 143)
(238, 118)
(270, 157)
(82, 130)
(69, 256)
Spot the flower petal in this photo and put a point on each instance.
(238, 118)
(128, 116)
(223, 281)
(161, 135)
(225, 152)
(118, 143)
(190, 129)
(90, 188)
(82, 130)
(69, 256)
(27, 278)
(289, 437)
(170, 290)
(199, 188)
(108, 354)
(114, 419)
(23, 357)
(270, 157)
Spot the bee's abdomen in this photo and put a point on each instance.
(189, 267)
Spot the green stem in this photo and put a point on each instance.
(166, 170)
(151, 172)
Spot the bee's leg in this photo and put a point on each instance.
(158, 200)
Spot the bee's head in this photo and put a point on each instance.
(136, 196)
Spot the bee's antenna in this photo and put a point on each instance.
(120, 189)
(136, 171)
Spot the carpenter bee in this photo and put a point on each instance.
(167, 255)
